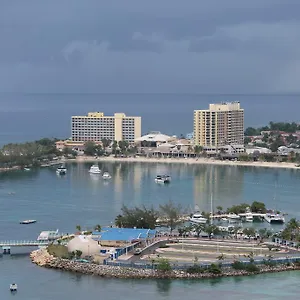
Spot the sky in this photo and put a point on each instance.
(157, 46)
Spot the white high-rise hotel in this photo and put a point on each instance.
(222, 124)
(95, 127)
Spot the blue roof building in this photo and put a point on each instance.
(123, 234)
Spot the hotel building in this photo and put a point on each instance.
(222, 124)
(95, 127)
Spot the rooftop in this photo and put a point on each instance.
(154, 136)
(124, 234)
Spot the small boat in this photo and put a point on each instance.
(106, 175)
(273, 218)
(162, 179)
(249, 217)
(197, 218)
(62, 170)
(27, 169)
(13, 287)
(94, 169)
(28, 222)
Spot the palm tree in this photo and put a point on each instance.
(78, 227)
(105, 143)
(221, 256)
(198, 149)
(97, 227)
(236, 229)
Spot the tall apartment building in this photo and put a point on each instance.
(222, 124)
(95, 127)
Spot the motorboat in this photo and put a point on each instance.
(106, 175)
(162, 179)
(13, 287)
(94, 169)
(273, 218)
(249, 217)
(61, 170)
(233, 217)
(28, 222)
(197, 218)
(26, 169)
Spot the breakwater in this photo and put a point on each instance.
(42, 258)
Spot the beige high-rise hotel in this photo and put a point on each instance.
(95, 127)
(221, 124)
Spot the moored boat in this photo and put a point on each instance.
(162, 179)
(106, 175)
(61, 170)
(274, 218)
(94, 169)
(197, 218)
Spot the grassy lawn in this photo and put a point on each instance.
(58, 251)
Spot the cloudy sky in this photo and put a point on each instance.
(198, 46)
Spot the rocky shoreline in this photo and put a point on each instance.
(42, 258)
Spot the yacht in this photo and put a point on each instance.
(197, 218)
(233, 217)
(273, 218)
(13, 287)
(106, 175)
(162, 179)
(94, 169)
(61, 170)
(249, 217)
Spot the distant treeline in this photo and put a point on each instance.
(273, 126)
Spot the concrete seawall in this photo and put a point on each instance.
(42, 258)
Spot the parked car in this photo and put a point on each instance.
(137, 251)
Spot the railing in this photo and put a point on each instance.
(23, 243)
(184, 266)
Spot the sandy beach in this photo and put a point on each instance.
(200, 161)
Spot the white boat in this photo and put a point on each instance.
(13, 287)
(61, 170)
(197, 218)
(162, 179)
(233, 217)
(106, 175)
(94, 169)
(26, 169)
(249, 217)
(28, 222)
(273, 218)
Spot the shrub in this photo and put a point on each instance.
(214, 269)
(163, 265)
(238, 265)
(252, 268)
(195, 269)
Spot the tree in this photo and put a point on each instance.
(137, 217)
(247, 140)
(105, 143)
(78, 227)
(219, 209)
(114, 148)
(78, 253)
(236, 230)
(172, 212)
(97, 227)
(198, 229)
(211, 230)
(251, 131)
(89, 148)
(250, 232)
(258, 207)
(198, 149)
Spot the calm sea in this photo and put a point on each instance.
(81, 198)
(26, 117)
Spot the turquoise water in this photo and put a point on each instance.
(80, 198)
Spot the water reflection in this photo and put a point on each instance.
(164, 286)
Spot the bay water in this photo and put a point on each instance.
(80, 198)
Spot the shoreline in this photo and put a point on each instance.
(188, 161)
(43, 259)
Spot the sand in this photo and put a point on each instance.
(192, 161)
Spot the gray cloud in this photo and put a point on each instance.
(216, 46)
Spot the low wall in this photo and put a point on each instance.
(42, 258)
